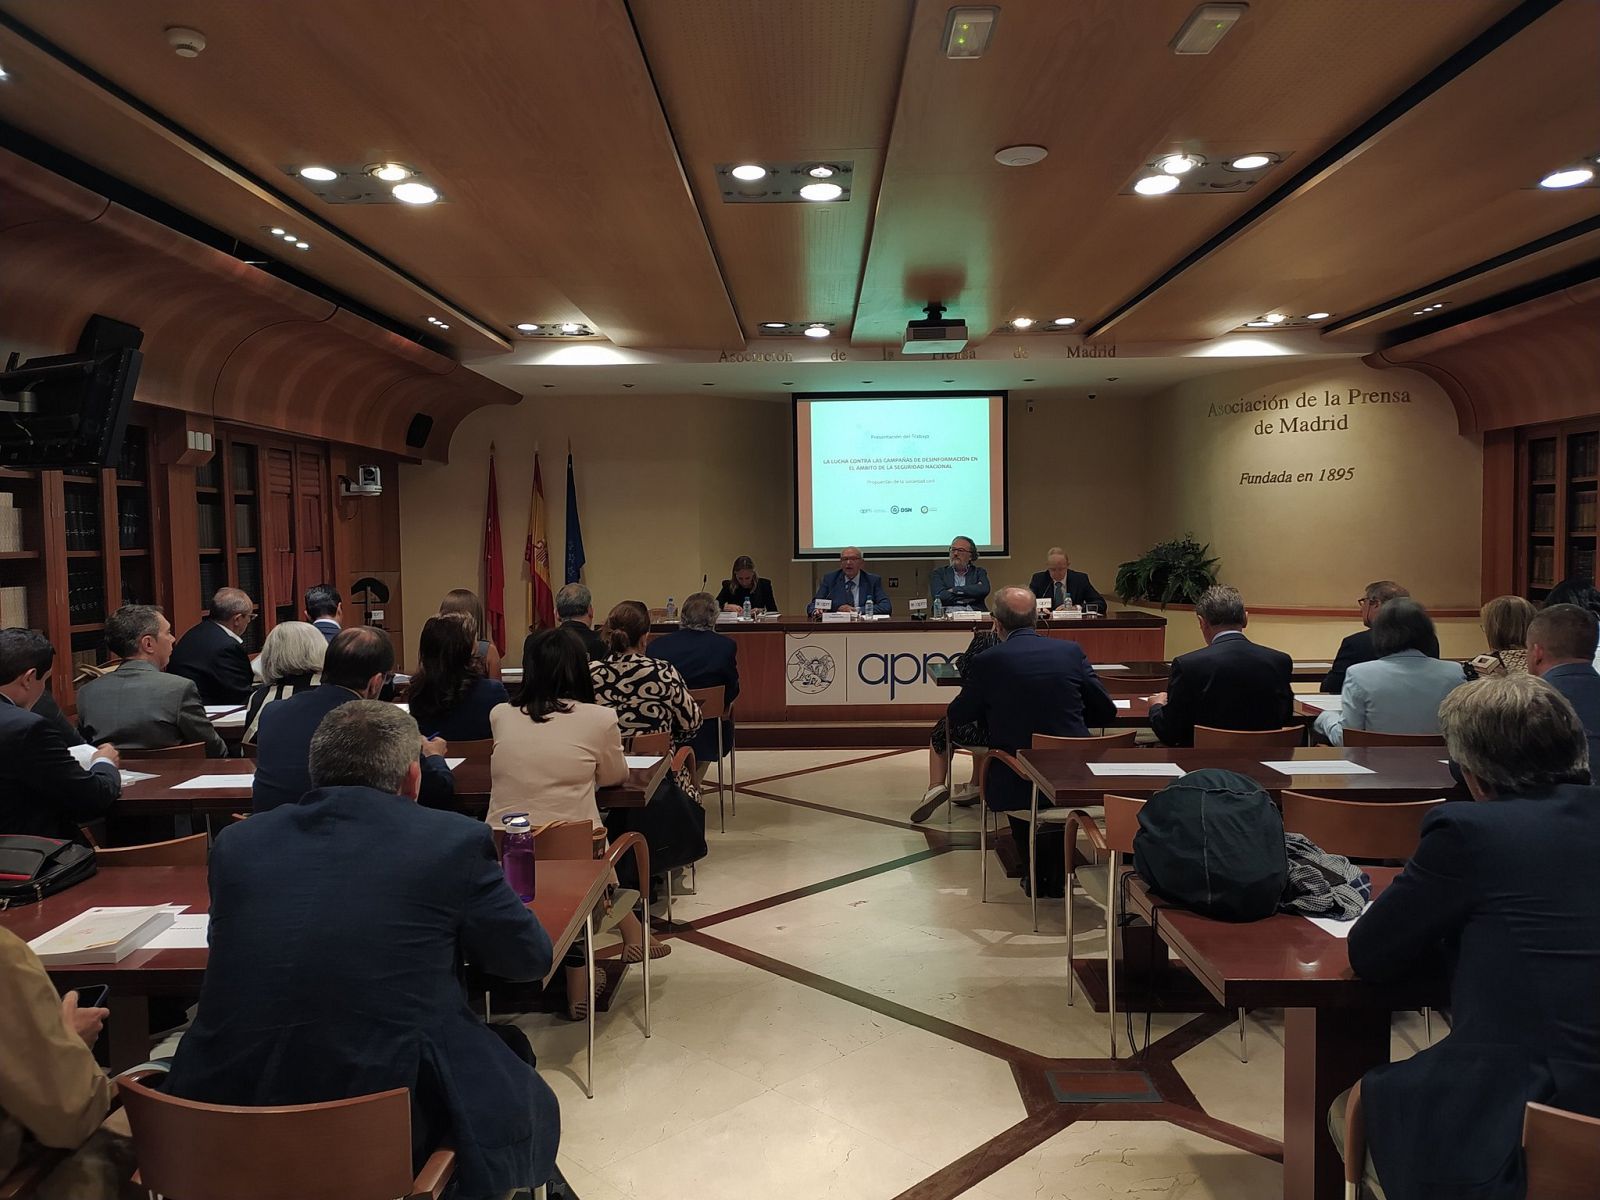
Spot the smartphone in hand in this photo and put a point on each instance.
(93, 996)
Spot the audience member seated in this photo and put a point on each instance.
(943, 740)
(850, 589)
(1399, 692)
(52, 1092)
(1505, 627)
(1028, 684)
(1059, 584)
(212, 653)
(1357, 648)
(43, 790)
(290, 662)
(1497, 899)
(647, 693)
(356, 666)
(47, 708)
(705, 659)
(1581, 592)
(575, 611)
(325, 610)
(337, 927)
(959, 582)
(451, 697)
(462, 601)
(1561, 647)
(1230, 684)
(138, 706)
(744, 584)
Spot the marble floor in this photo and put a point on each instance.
(843, 1016)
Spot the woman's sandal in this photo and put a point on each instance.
(633, 954)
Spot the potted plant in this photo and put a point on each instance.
(1173, 572)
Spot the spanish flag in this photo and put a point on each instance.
(536, 559)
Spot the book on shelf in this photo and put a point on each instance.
(1543, 516)
(1542, 563)
(10, 524)
(103, 935)
(14, 607)
(1583, 509)
(1543, 456)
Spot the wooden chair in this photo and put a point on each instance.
(651, 743)
(1371, 737)
(192, 851)
(1357, 828)
(1207, 738)
(479, 748)
(248, 750)
(1043, 741)
(357, 1149)
(1355, 1144)
(1561, 1151)
(187, 750)
(713, 707)
(1099, 881)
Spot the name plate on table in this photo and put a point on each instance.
(1067, 614)
(967, 614)
(833, 618)
(858, 665)
(918, 607)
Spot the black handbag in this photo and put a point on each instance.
(32, 868)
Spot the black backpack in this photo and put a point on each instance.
(32, 868)
(1213, 843)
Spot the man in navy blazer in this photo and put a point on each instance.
(325, 608)
(1561, 645)
(705, 658)
(850, 588)
(1059, 584)
(1357, 648)
(213, 654)
(1028, 684)
(960, 583)
(358, 665)
(1230, 684)
(1498, 897)
(338, 924)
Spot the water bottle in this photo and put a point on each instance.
(938, 609)
(747, 608)
(516, 855)
(672, 609)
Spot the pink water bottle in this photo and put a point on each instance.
(516, 855)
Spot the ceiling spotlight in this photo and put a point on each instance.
(1156, 185)
(1065, 321)
(1206, 26)
(1178, 164)
(967, 30)
(391, 172)
(1250, 162)
(442, 325)
(291, 237)
(1318, 316)
(1567, 177)
(414, 193)
(527, 327)
(1258, 324)
(1275, 318)
(821, 191)
(749, 172)
(276, 232)
(302, 245)
(817, 331)
(318, 174)
(773, 325)
(4, 75)
(1421, 312)
(571, 327)
(1021, 322)
(821, 171)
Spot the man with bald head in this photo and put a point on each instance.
(850, 588)
(1059, 584)
(212, 653)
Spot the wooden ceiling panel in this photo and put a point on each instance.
(809, 80)
(1449, 185)
(1096, 83)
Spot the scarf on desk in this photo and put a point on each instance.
(1322, 884)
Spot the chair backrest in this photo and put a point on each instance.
(357, 1149)
(1122, 822)
(1357, 828)
(1207, 738)
(248, 750)
(650, 743)
(1045, 741)
(1371, 737)
(480, 748)
(1562, 1153)
(187, 750)
(192, 851)
(710, 701)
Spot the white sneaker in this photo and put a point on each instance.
(931, 799)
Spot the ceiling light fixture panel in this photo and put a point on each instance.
(1190, 171)
(1033, 326)
(366, 183)
(1282, 320)
(814, 329)
(554, 329)
(807, 182)
(1581, 172)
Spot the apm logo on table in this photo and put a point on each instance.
(895, 671)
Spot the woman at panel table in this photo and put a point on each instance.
(460, 600)
(1401, 691)
(451, 693)
(1505, 627)
(290, 661)
(744, 584)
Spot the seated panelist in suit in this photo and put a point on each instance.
(1401, 690)
(705, 658)
(744, 584)
(1027, 684)
(43, 790)
(1230, 684)
(357, 665)
(325, 609)
(960, 583)
(338, 926)
(213, 654)
(1561, 646)
(139, 706)
(1357, 648)
(1495, 899)
(850, 588)
(1059, 584)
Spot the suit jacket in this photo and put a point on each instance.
(760, 595)
(705, 659)
(140, 707)
(283, 751)
(43, 790)
(1357, 648)
(47, 707)
(593, 643)
(1580, 684)
(1399, 693)
(835, 587)
(329, 628)
(337, 926)
(1025, 685)
(1079, 590)
(1499, 891)
(1230, 684)
(219, 666)
(942, 587)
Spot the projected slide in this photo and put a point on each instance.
(899, 475)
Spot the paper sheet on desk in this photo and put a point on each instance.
(188, 932)
(1136, 768)
(1313, 666)
(1110, 666)
(243, 782)
(1322, 701)
(135, 777)
(642, 762)
(1324, 766)
(1338, 929)
(453, 763)
(1123, 703)
(232, 720)
(217, 710)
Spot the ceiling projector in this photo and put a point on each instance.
(935, 334)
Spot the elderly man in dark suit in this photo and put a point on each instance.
(1496, 896)
(139, 706)
(1059, 584)
(1230, 684)
(1358, 648)
(338, 925)
(213, 654)
(1027, 684)
(850, 589)
(43, 789)
(705, 658)
(1561, 645)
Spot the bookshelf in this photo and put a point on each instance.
(1558, 488)
(228, 508)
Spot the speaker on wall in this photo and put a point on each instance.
(419, 429)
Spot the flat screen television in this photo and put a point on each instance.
(70, 411)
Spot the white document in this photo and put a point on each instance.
(188, 932)
(103, 935)
(217, 710)
(1321, 701)
(405, 708)
(232, 720)
(1338, 929)
(1110, 666)
(642, 762)
(135, 777)
(1324, 766)
(453, 763)
(1137, 768)
(216, 782)
(1123, 703)
(1313, 666)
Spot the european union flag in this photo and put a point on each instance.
(575, 557)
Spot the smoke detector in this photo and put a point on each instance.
(185, 43)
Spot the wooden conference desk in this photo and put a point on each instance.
(1138, 675)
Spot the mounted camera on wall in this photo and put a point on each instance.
(368, 482)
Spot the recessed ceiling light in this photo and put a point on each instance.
(1021, 322)
(291, 237)
(276, 232)
(1258, 324)
(968, 29)
(1250, 162)
(1066, 321)
(318, 174)
(1421, 312)
(571, 327)
(1156, 185)
(442, 325)
(749, 172)
(527, 327)
(1178, 164)
(4, 75)
(821, 171)
(821, 191)
(1020, 156)
(415, 193)
(773, 325)
(817, 331)
(1276, 318)
(1567, 177)
(302, 245)
(391, 172)
(1318, 316)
